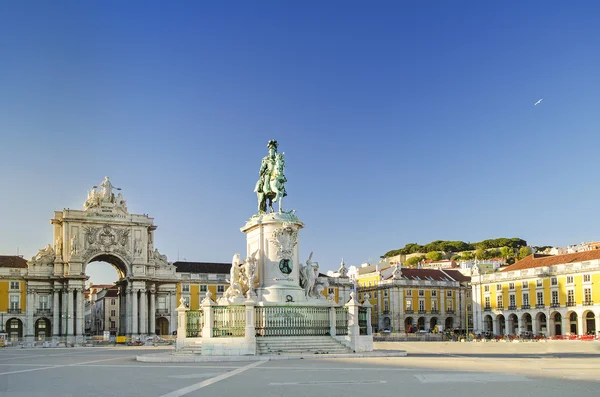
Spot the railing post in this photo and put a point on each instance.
(207, 303)
(368, 306)
(250, 332)
(181, 324)
(353, 305)
(332, 320)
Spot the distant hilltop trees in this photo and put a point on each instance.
(457, 246)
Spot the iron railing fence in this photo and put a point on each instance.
(341, 320)
(229, 321)
(194, 323)
(291, 321)
(362, 320)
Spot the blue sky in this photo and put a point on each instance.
(401, 121)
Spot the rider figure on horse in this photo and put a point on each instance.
(270, 184)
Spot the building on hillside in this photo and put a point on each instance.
(442, 264)
(494, 263)
(406, 299)
(542, 294)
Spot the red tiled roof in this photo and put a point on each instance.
(455, 274)
(13, 261)
(424, 274)
(539, 260)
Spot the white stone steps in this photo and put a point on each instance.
(298, 345)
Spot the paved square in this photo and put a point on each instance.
(431, 369)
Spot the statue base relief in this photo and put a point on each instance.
(275, 236)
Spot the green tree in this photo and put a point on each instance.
(456, 258)
(468, 256)
(524, 251)
(480, 253)
(434, 255)
(507, 252)
(412, 261)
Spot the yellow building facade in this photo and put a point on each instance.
(411, 300)
(541, 294)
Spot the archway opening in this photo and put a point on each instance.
(542, 326)
(43, 329)
(488, 323)
(103, 309)
(590, 323)
(557, 323)
(573, 323)
(421, 323)
(408, 325)
(501, 324)
(162, 326)
(432, 323)
(513, 324)
(527, 325)
(14, 328)
(449, 323)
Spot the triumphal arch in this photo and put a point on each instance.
(103, 230)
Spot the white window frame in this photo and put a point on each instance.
(570, 279)
(185, 288)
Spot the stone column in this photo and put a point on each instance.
(128, 311)
(534, 325)
(152, 313)
(250, 331)
(579, 324)
(332, 320)
(64, 313)
(29, 307)
(172, 312)
(143, 312)
(368, 306)
(597, 315)
(55, 314)
(508, 324)
(566, 325)
(70, 312)
(134, 313)
(181, 325)
(80, 316)
(495, 326)
(353, 327)
(207, 329)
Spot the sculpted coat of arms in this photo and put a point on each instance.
(106, 239)
(285, 239)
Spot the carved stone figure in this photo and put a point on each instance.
(271, 180)
(160, 260)
(137, 247)
(308, 276)
(74, 245)
(234, 290)
(58, 246)
(249, 275)
(107, 187)
(45, 256)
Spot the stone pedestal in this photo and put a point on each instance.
(274, 237)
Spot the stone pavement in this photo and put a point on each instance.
(430, 369)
